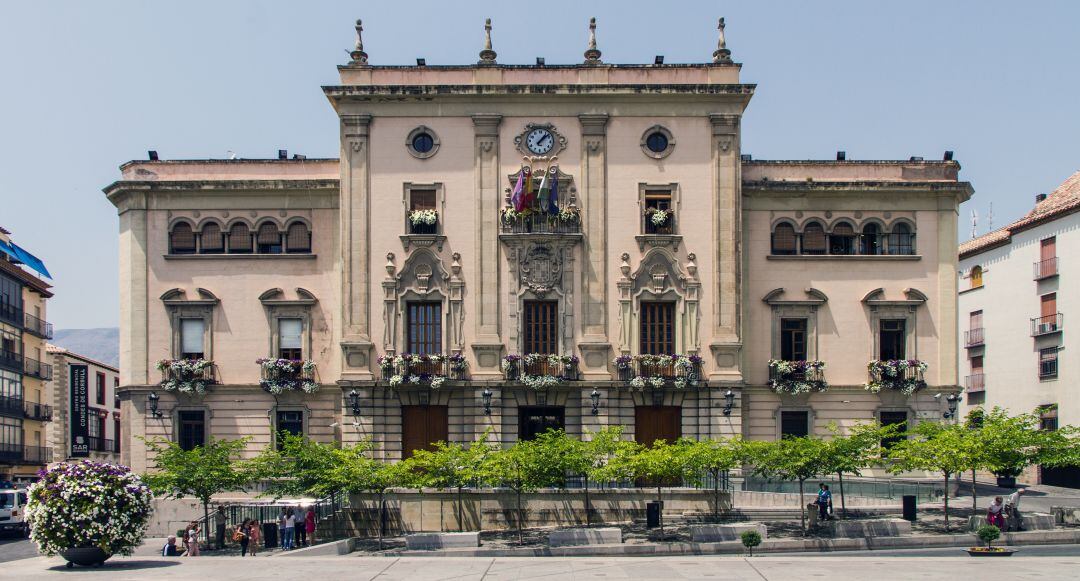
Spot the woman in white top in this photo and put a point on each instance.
(290, 529)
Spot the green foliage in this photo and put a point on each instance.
(988, 534)
(1009, 444)
(790, 458)
(300, 468)
(200, 472)
(664, 462)
(528, 465)
(750, 539)
(449, 465)
(857, 449)
(712, 456)
(945, 448)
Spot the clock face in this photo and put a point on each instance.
(540, 141)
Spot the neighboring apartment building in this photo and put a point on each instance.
(531, 300)
(86, 413)
(1014, 295)
(24, 369)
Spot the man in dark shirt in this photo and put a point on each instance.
(170, 550)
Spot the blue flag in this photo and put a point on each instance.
(553, 197)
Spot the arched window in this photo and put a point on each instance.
(783, 239)
(182, 239)
(298, 238)
(901, 240)
(842, 239)
(976, 277)
(269, 239)
(212, 240)
(871, 239)
(239, 239)
(813, 239)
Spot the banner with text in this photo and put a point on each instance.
(80, 427)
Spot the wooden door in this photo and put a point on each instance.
(652, 423)
(422, 426)
(1049, 307)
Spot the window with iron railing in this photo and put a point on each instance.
(1047, 265)
(1048, 363)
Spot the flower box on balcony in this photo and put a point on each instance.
(282, 375)
(903, 375)
(658, 221)
(432, 370)
(532, 221)
(540, 370)
(657, 371)
(797, 377)
(187, 376)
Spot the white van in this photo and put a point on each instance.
(13, 512)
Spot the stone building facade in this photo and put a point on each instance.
(646, 280)
(101, 401)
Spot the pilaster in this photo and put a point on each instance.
(726, 343)
(487, 347)
(595, 345)
(355, 205)
(134, 368)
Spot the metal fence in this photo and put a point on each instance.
(869, 488)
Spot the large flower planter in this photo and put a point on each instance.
(84, 556)
(996, 552)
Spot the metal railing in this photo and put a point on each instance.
(903, 375)
(11, 314)
(1048, 368)
(208, 374)
(292, 376)
(421, 228)
(1047, 324)
(38, 412)
(425, 368)
(812, 374)
(566, 370)
(975, 382)
(649, 227)
(1045, 268)
(539, 223)
(974, 337)
(99, 444)
(11, 406)
(870, 488)
(11, 360)
(36, 326)
(647, 368)
(37, 369)
(37, 454)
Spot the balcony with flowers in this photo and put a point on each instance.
(540, 203)
(659, 371)
(902, 375)
(658, 221)
(423, 222)
(187, 376)
(540, 370)
(287, 375)
(797, 377)
(434, 370)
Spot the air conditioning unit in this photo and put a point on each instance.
(1047, 328)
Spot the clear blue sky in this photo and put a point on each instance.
(88, 86)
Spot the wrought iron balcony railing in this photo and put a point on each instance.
(35, 368)
(38, 412)
(1045, 268)
(797, 376)
(1047, 324)
(11, 360)
(903, 375)
(421, 228)
(562, 367)
(11, 314)
(11, 406)
(40, 455)
(538, 223)
(424, 367)
(975, 382)
(667, 226)
(974, 337)
(659, 370)
(38, 327)
(280, 375)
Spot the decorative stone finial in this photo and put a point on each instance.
(592, 54)
(721, 54)
(390, 264)
(487, 56)
(359, 57)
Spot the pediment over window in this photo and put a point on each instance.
(814, 297)
(177, 296)
(659, 272)
(423, 272)
(276, 297)
(912, 298)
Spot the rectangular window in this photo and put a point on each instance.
(657, 201)
(93, 426)
(291, 422)
(421, 200)
(535, 420)
(1048, 363)
(657, 328)
(290, 335)
(100, 388)
(975, 320)
(793, 339)
(116, 392)
(892, 336)
(192, 429)
(116, 435)
(192, 332)
(541, 328)
(424, 328)
(893, 419)
(1049, 306)
(794, 424)
(1048, 248)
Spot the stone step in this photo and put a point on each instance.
(589, 536)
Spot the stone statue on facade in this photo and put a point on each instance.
(721, 54)
(487, 55)
(359, 57)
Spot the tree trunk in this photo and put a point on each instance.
(520, 516)
(974, 494)
(206, 521)
(588, 519)
(460, 519)
(802, 506)
(843, 501)
(946, 502)
(716, 495)
(660, 499)
(382, 519)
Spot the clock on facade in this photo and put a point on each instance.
(540, 141)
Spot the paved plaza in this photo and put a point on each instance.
(770, 568)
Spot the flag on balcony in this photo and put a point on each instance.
(543, 191)
(553, 197)
(522, 189)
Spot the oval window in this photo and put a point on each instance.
(423, 142)
(657, 142)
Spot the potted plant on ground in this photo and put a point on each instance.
(989, 533)
(87, 512)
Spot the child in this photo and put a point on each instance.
(254, 536)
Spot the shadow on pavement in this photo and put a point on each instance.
(113, 566)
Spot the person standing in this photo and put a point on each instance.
(219, 523)
(300, 538)
(1012, 505)
(254, 536)
(193, 539)
(309, 524)
(290, 530)
(241, 536)
(824, 499)
(281, 528)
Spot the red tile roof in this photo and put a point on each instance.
(1061, 202)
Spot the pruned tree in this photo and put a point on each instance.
(525, 467)
(790, 459)
(589, 458)
(948, 449)
(451, 466)
(855, 450)
(714, 457)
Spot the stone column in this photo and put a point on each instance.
(948, 265)
(132, 208)
(726, 342)
(355, 206)
(595, 345)
(488, 346)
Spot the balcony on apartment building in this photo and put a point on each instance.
(11, 314)
(974, 337)
(39, 412)
(37, 327)
(975, 383)
(11, 360)
(20, 454)
(99, 444)
(11, 406)
(1047, 324)
(1045, 268)
(35, 368)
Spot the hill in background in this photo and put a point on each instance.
(99, 344)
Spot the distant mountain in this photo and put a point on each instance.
(99, 344)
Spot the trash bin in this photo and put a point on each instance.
(269, 531)
(909, 507)
(652, 513)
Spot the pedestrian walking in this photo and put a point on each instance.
(301, 528)
(995, 514)
(281, 528)
(1012, 510)
(241, 536)
(309, 524)
(193, 539)
(824, 499)
(219, 523)
(290, 529)
(254, 536)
